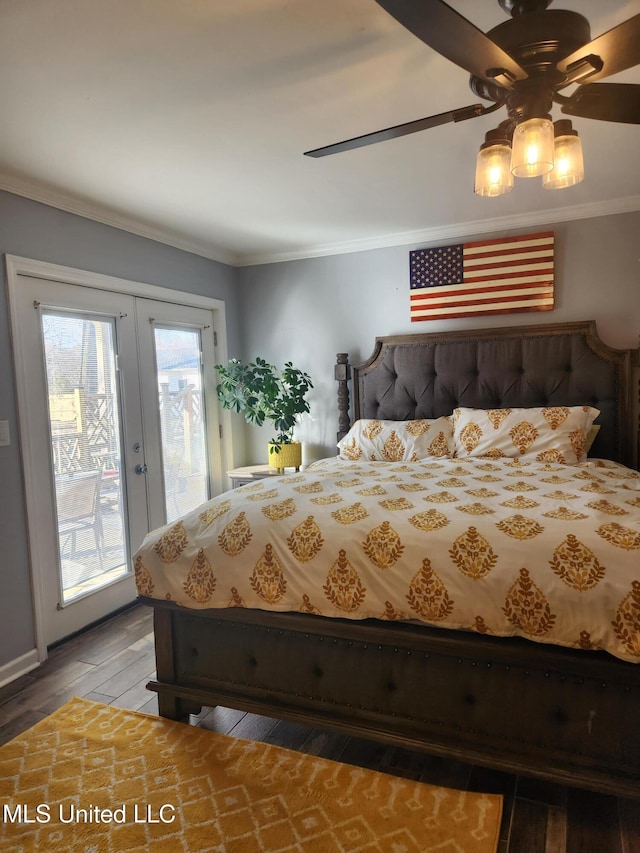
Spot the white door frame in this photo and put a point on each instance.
(16, 267)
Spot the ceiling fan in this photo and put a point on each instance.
(522, 64)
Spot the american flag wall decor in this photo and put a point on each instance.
(488, 277)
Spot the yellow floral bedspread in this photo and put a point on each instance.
(546, 551)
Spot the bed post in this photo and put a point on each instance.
(343, 375)
(170, 704)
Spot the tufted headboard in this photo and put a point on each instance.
(428, 375)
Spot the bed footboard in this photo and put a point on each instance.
(563, 715)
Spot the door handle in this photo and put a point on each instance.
(141, 469)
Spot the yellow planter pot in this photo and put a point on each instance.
(289, 456)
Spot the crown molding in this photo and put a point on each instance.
(99, 213)
(462, 230)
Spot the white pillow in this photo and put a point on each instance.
(548, 434)
(397, 441)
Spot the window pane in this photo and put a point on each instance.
(85, 437)
(182, 425)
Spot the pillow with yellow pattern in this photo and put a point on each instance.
(548, 434)
(397, 441)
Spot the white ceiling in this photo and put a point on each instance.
(186, 120)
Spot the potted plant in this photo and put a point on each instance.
(260, 392)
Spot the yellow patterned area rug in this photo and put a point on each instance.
(95, 779)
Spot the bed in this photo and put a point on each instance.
(562, 709)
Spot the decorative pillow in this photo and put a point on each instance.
(397, 441)
(549, 434)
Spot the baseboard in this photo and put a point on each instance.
(20, 666)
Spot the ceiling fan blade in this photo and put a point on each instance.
(450, 34)
(606, 102)
(617, 50)
(400, 130)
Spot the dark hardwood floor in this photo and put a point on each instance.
(113, 662)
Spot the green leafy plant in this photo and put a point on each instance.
(261, 392)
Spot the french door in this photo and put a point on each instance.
(118, 412)
(176, 353)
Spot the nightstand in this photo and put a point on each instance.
(250, 473)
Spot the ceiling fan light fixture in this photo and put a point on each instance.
(493, 165)
(532, 147)
(568, 164)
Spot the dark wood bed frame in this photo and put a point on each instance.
(567, 715)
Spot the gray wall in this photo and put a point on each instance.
(33, 230)
(306, 311)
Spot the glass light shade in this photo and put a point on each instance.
(493, 171)
(568, 166)
(532, 148)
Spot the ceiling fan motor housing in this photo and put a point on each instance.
(537, 40)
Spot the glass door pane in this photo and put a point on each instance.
(85, 431)
(182, 419)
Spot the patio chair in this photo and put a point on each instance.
(78, 500)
